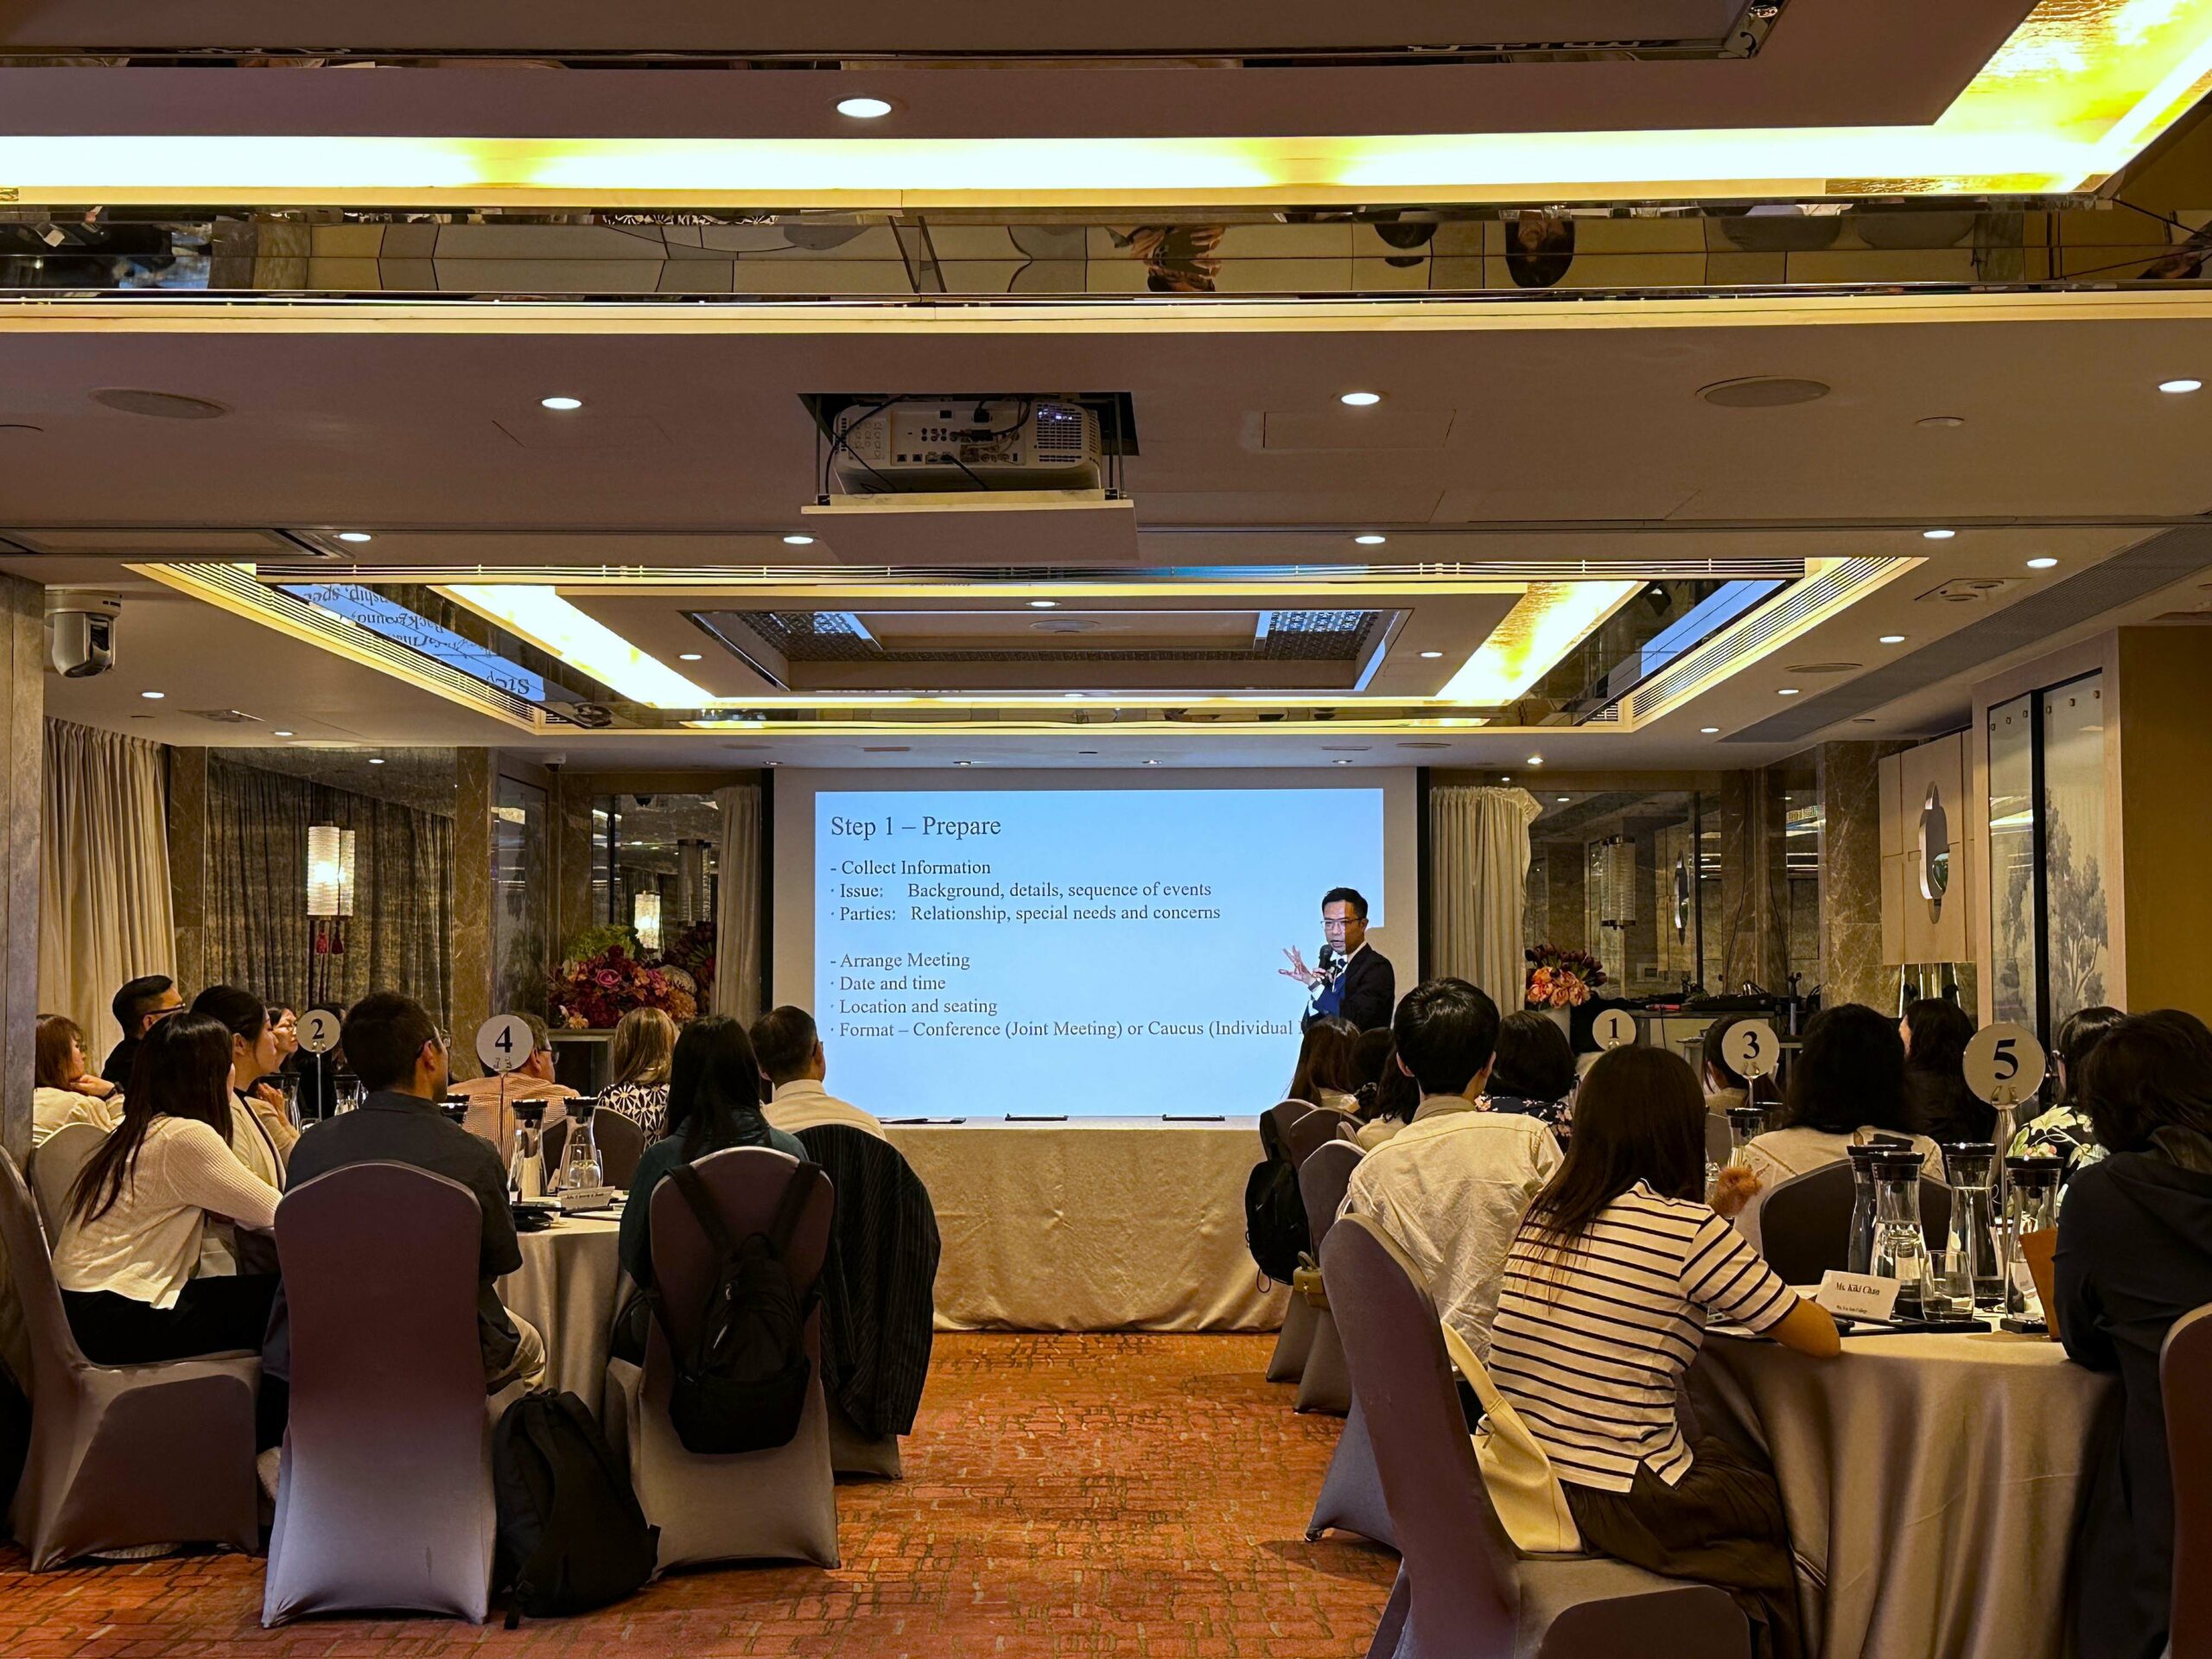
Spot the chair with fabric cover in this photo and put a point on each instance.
(1317, 1129)
(2185, 1384)
(1324, 1385)
(1288, 1360)
(621, 1144)
(551, 1145)
(55, 1164)
(1351, 1492)
(1719, 1146)
(775, 1504)
(878, 1296)
(122, 1455)
(1804, 1223)
(384, 1499)
(1463, 1592)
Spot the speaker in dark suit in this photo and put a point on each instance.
(1354, 980)
(1363, 991)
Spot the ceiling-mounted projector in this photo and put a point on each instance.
(916, 445)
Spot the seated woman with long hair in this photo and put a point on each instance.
(131, 1238)
(1936, 1033)
(68, 1090)
(1846, 1090)
(714, 1103)
(640, 1056)
(1612, 1276)
(1325, 1076)
(261, 1133)
(1534, 1072)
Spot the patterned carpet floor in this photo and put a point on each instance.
(1064, 1495)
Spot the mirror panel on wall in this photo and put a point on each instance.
(654, 863)
(1627, 876)
(2050, 924)
(522, 888)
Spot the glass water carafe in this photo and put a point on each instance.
(1859, 1257)
(1900, 1248)
(526, 1159)
(580, 1165)
(1745, 1124)
(2031, 1206)
(1969, 1167)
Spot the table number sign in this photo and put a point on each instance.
(1751, 1048)
(1857, 1295)
(1614, 1028)
(504, 1042)
(319, 1031)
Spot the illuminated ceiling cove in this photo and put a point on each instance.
(2079, 89)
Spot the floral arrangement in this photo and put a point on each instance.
(600, 981)
(1561, 979)
(692, 954)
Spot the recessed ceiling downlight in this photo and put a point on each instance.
(1823, 668)
(2179, 385)
(159, 405)
(864, 108)
(562, 404)
(1763, 391)
(1361, 399)
(1370, 540)
(355, 535)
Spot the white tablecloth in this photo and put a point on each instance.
(566, 1287)
(1099, 1226)
(1932, 1483)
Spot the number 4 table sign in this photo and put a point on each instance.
(504, 1043)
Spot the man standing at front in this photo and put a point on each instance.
(1354, 980)
(1451, 1187)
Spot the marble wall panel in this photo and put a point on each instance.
(1853, 966)
(22, 781)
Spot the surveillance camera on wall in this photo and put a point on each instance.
(80, 625)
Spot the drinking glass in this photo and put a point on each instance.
(1946, 1285)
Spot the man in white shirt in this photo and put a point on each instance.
(1451, 1187)
(789, 1049)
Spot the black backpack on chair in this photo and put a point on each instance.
(741, 1384)
(571, 1535)
(1275, 1211)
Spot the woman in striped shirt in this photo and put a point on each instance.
(1604, 1307)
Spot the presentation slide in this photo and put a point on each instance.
(982, 952)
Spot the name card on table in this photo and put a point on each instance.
(1857, 1295)
(585, 1200)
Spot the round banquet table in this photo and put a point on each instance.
(566, 1287)
(1932, 1483)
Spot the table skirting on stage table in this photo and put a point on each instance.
(1133, 1225)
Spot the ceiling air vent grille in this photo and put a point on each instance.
(1778, 619)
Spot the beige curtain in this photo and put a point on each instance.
(738, 909)
(104, 875)
(1477, 887)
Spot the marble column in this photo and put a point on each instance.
(572, 854)
(22, 788)
(1754, 919)
(475, 786)
(1849, 785)
(188, 865)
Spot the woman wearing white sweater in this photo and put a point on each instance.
(68, 1091)
(131, 1241)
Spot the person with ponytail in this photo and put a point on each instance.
(261, 1134)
